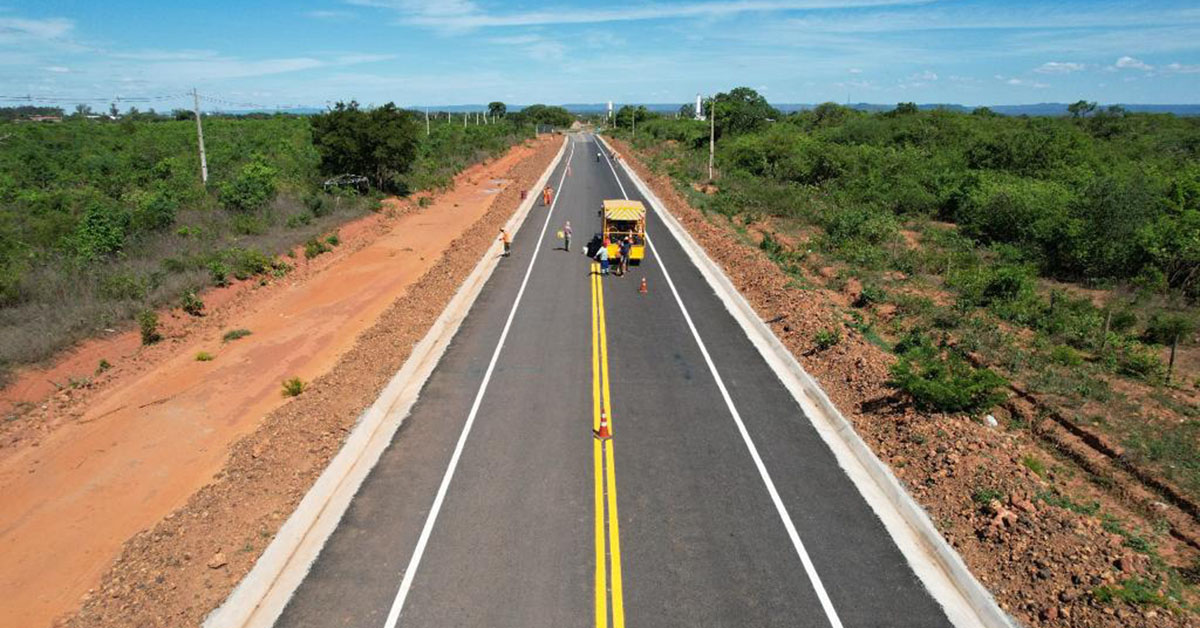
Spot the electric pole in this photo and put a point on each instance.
(200, 136)
(712, 136)
(426, 122)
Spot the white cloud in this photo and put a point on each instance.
(12, 29)
(331, 15)
(58, 69)
(457, 15)
(534, 46)
(855, 70)
(927, 75)
(1129, 63)
(1017, 82)
(1059, 67)
(1179, 68)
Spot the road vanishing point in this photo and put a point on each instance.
(715, 502)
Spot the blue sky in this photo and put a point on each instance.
(415, 52)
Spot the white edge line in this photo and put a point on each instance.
(264, 592)
(966, 602)
(415, 561)
(793, 534)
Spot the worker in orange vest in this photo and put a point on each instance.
(507, 241)
(547, 195)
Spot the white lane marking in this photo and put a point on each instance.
(809, 568)
(414, 562)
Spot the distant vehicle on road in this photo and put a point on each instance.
(624, 218)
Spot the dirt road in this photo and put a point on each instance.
(142, 446)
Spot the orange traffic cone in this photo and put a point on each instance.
(643, 288)
(603, 433)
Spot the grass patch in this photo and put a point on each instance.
(293, 387)
(204, 356)
(827, 338)
(235, 334)
(1033, 463)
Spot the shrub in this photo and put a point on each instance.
(219, 272)
(942, 380)
(314, 247)
(299, 220)
(333, 239)
(245, 263)
(252, 188)
(827, 338)
(148, 323)
(293, 387)
(280, 268)
(1138, 361)
(102, 366)
(871, 294)
(192, 304)
(204, 356)
(1065, 356)
(318, 205)
(234, 334)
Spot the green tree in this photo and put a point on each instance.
(1081, 109)
(905, 109)
(380, 144)
(497, 109)
(742, 110)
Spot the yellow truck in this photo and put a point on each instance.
(624, 218)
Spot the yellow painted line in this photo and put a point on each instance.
(614, 533)
(598, 469)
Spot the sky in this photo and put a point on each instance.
(274, 53)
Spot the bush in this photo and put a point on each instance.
(204, 356)
(293, 387)
(299, 220)
(252, 188)
(827, 338)
(1136, 360)
(102, 366)
(234, 334)
(245, 263)
(333, 239)
(148, 323)
(219, 272)
(315, 247)
(940, 379)
(192, 304)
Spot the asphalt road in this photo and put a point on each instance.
(523, 533)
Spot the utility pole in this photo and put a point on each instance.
(426, 122)
(200, 135)
(712, 136)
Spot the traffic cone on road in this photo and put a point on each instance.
(603, 433)
(642, 289)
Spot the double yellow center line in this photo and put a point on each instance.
(608, 564)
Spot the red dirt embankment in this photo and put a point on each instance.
(90, 468)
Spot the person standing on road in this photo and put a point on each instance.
(504, 237)
(602, 255)
(567, 237)
(626, 247)
(547, 194)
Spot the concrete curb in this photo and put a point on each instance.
(932, 558)
(261, 596)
